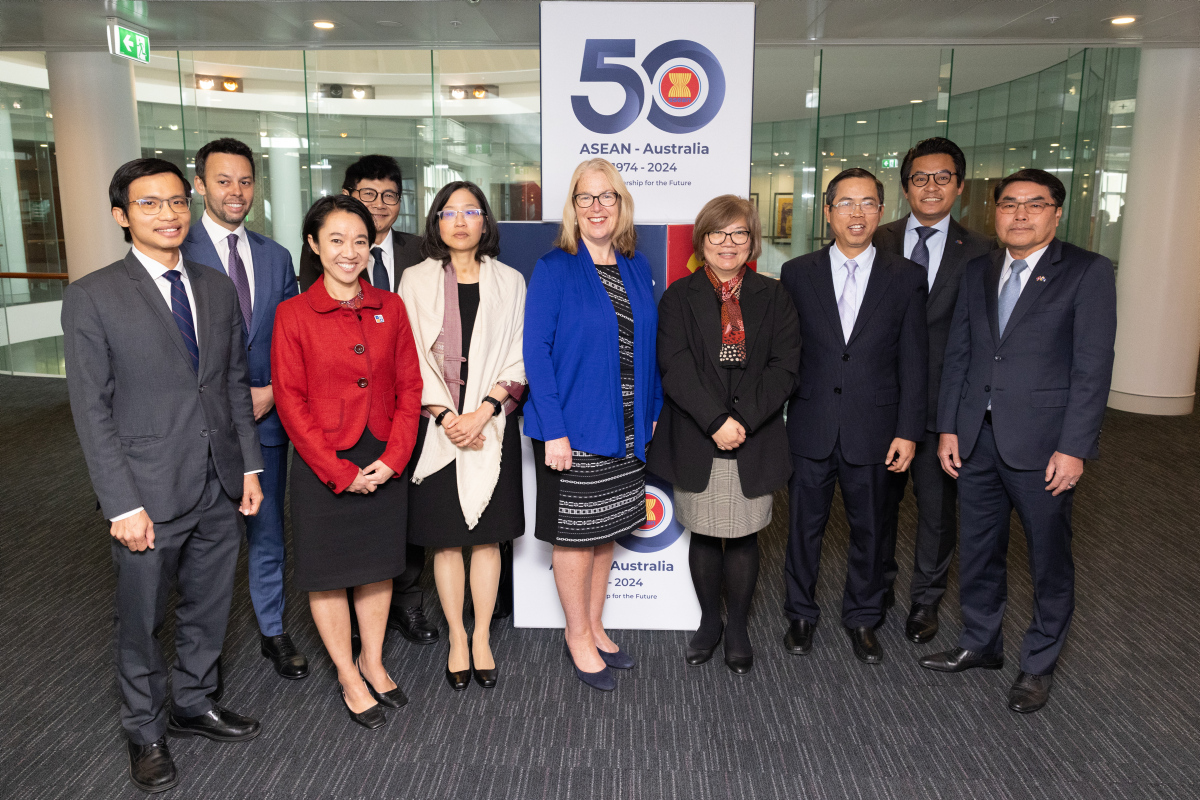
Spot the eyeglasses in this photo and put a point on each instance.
(868, 208)
(720, 237)
(152, 205)
(450, 214)
(586, 200)
(1033, 208)
(368, 196)
(941, 177)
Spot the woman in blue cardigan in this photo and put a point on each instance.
(594, 397)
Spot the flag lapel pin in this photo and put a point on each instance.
(379, 317)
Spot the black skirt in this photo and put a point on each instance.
(435, 517)
(347, 539)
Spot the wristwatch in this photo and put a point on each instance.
(497, 407)
(438, 420)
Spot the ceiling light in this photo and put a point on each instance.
(229, 85)
(1054, 144)
(173, 127)
(1123, 20)
(343, 134)
(783, 165)
(862, 122)
(458, 93)
(49, 115)
(389, 23)
(479, 92)
(16, 105)
(156, 152)
(420, 126)
(916, 101)
(359, 93)
(323, 24)
(262, 133)
(205, 83)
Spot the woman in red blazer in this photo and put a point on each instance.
(348, 388)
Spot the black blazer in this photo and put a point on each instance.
(696, 391)
(873, 388)
(1048, 376)
(962, 245)
(406, 250)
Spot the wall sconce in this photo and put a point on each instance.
(221, 83)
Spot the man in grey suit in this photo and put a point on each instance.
(931, 177)
(1026, 381)
(156, 372)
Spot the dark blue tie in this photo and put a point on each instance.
(920, 251)
(379, 277)
(181, 309)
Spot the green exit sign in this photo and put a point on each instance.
(126, 42)
(891, 163)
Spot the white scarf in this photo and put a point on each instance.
(495, 356)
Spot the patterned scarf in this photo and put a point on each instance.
(733, 329)
(354, 303)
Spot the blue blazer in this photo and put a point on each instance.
(571, 358)
(274, 282)
(1048, 376)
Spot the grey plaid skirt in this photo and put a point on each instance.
(722, 510)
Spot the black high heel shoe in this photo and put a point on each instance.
(370, 719)
(602, 680)
(697, 656)
(459, 681)
(392, 699)
(486, 678)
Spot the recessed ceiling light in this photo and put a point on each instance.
(1123, 20)
(916, 101)
(323, 24)
(389, 22)
(862, 122)
(1054, 144)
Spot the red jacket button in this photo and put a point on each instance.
(331, 485)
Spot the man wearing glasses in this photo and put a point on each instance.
(1026, 381)
(931, 178)
(858, 409)
(376, 181)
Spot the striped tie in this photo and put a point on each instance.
(181, 309)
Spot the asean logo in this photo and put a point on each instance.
(661, 529)
(679, 87)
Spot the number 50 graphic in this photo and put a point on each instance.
(596, 69)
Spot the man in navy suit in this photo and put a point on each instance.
(262, 273)
(859, 405)
(1025, 384)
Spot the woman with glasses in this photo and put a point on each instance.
(594, 396)
(467, 313)
(729, 348)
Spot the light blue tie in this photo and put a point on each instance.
(1010, 293)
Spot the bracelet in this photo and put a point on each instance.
(438, 420)
(497, 407)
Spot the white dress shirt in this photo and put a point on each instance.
(389, 261)
(1032, 260)
(220, 240)
(838, 260)
(936, 243)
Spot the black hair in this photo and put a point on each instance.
(130, 171)
(314, 220)
(935, 145)
(1058, 192)
(432, 245)
(228, 146)
(372, 168)
(853, 172)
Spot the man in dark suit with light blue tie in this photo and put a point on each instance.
(262, 274)
(1025, 385)
(858, 409)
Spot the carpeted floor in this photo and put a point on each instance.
(1123, 722)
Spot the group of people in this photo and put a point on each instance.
(399, 372)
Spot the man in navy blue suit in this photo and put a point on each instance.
(1026, 379)
(262, 273)
(859, 406)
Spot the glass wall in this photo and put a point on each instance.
(474, 114)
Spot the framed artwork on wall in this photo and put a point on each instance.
(781, 218)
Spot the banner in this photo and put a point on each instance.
(662, 90)
(649, 587)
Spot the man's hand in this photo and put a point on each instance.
(1062, 473)
(251, 495)
(136, 532)
(730, 435)
(948, 454)
(263, 398)
(900, 454)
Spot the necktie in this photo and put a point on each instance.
(379, 278)
(181, 309)
(1010, 293)
(920, 251)
(846, 303)
(237, 273)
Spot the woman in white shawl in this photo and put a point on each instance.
(466, 310)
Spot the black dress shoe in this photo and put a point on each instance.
(370, 719)
(485, 677)
(459, 681)
(289, 662)
(1029, 692)
(867, 648)
(959, 660)
(696, 656)
(216, 694)
(922, 623)
(394, 698)
(412, 625)
(218, 724)
(799, 636)
(738, 665)
(151, 768)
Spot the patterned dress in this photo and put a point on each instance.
(600, 498)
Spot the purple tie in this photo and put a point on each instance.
(846, 303)
(237, 272)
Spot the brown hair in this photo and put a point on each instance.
(625, 237)
(726, 210)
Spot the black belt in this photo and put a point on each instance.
(987, 416)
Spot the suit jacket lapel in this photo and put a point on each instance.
(202, 249)
(1034, 286)
(821, 277)
(397, 268)
(201, 316)
(951, 257)
(891, 239)
(706, 308)
(991, 292)
(262, 283)
(159, 306)
(877, 283)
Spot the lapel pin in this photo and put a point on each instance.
(1040, 279)
(379, 317)
(958, 241)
